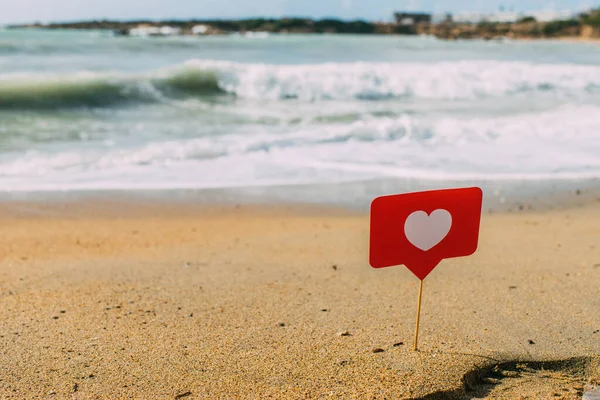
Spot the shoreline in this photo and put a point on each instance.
(499, 196)
(487, 37)
(568, 39)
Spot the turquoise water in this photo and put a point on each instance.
(86, 110)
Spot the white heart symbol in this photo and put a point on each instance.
(426, 231)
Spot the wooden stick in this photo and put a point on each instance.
(418, 316)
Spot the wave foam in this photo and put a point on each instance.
(312, 82)
(443, 80)
(556, 144)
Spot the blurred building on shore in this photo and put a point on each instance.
(511, 16)
(412, 18)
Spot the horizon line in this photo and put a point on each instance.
(266, 17)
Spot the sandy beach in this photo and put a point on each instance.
(116, 299)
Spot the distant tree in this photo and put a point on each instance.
(592, 18)
(525, 20)
(555, 28)
(485, 24)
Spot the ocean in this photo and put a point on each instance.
(85, 110)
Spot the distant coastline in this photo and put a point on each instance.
(580, 27)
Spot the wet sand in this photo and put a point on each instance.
(115, 299)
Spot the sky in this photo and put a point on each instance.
(21, 11)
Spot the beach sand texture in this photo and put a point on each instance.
(107, 300)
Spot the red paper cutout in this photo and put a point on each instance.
(422, 253)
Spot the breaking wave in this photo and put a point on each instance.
(92, 90)
(312, 82)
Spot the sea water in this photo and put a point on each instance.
(85, 110)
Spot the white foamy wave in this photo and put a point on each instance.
(557, 144)
(363, 80)
(314, 82)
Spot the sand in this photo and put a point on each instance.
(114, 299)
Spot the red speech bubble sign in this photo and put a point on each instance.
(421, 229)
